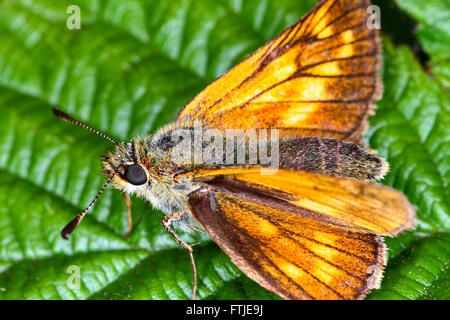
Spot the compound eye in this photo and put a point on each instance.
(135, 174)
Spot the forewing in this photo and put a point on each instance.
(320, 76)
(344, 202)
(293, 256)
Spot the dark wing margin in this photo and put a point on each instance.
(293, 256)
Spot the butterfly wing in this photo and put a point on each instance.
(320, 76)
(346, 203)
(285, 252)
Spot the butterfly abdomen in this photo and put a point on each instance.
(314, 154)
(331, 156)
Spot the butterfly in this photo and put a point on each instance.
(299, 213)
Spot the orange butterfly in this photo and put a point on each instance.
(308, 225)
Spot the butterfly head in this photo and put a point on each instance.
(130, 167)
(137, 167)
(140, 167)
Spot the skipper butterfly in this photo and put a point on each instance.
(269, 160)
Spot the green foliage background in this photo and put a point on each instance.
(127, 71)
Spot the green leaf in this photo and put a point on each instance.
(411, 129)
(128, 71)
(433, 18)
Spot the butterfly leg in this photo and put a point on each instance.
(127, 199)
(167, 222)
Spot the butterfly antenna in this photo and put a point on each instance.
(68, 118)
(76, 221)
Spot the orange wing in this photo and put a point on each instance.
(287, 253)
(320, 76)
(342, 202)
